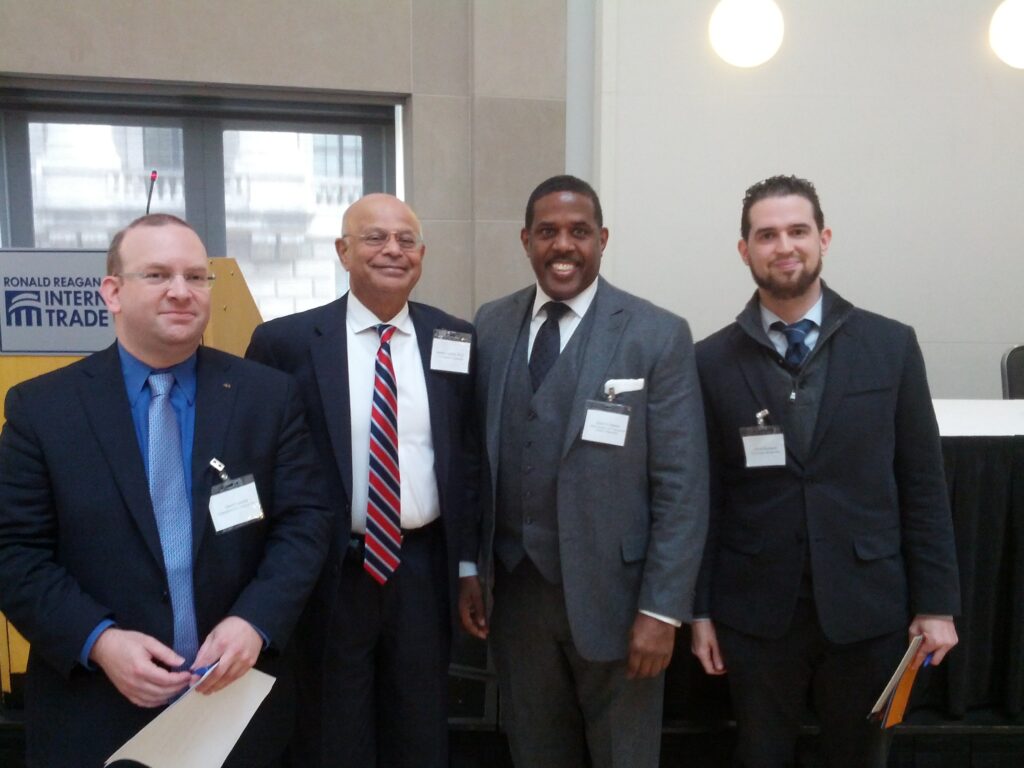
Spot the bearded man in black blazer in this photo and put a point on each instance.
(375, 646)
(831, 538)
(121, 584)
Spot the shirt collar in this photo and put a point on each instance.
(136, 373)
(579, 303)
(360, 318)
(813, 314)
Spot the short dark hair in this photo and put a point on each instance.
(563, 183)
(114, 264)
(780, 186)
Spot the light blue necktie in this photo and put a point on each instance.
(173, 511)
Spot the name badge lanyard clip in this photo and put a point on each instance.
(218, 467)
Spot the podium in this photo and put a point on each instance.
(233, 316)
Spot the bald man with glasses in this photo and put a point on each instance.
(387, 386)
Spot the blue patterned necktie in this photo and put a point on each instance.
(795, 334)
(383, 552)
(173, 511)
(548, 343)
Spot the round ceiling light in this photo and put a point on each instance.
(1006, 33)
(746, 33)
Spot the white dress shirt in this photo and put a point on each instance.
(420, 503)
(568, 323)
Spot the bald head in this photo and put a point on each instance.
(373, 204)
(382, 249)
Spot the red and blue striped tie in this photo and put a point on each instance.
(384, 508)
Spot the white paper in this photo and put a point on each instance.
(198, 731)
(449, 355)
(618, 386)
(605, 427)
(765, 450)
(915, 643)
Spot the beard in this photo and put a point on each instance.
(789, 290)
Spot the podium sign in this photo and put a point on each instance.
(50, 302)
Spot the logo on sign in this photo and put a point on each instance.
(23, 308)
(50, 302)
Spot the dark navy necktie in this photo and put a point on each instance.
(795, 334)
(547, 345)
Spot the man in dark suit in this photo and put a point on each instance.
(594, 496)
(377, 641)
(830, 525)
(111, 561)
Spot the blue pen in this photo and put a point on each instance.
(927, 660)
(200, 671)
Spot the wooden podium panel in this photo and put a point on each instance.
(233, 316)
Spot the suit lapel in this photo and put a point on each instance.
(610, 319)
(329, 350)
(844, 351)
(437, 402)
(106, 406)
(509, 321)
(216, 390)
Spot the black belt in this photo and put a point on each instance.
(358, 540)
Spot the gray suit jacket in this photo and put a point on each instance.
(632, 520)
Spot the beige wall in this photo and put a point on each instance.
(483, 82)
(901, 114)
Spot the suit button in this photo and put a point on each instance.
(165, 596)
(527, 470)
(529, 520)
(531, 415)
(529, 443)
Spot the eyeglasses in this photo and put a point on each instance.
(378, 238)
(158, 278)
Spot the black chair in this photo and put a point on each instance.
(1013, 373)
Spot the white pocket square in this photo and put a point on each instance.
(618, 386)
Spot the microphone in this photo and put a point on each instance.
(152, 183)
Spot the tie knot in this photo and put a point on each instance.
(555, 310)
(385, 332)
(160, 383)
(796, 332)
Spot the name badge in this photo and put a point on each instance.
(764, 446)
(450, 351)
(233, 503)
(606, 423)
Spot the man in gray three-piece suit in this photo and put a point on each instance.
(593, 496)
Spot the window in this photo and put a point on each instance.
(265, 182)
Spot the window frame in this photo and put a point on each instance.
(203, 118)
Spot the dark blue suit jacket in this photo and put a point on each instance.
(312, 347)
(79, 542)
(868, 501)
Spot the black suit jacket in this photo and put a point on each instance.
(79, 542)
(313, 347)
(868, 501)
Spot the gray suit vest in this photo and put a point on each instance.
(533, 429)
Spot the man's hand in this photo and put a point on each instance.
(236, 645)
(704, 644)
(650, 646)
(939, 637)
(471, 607)
(135, 664)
